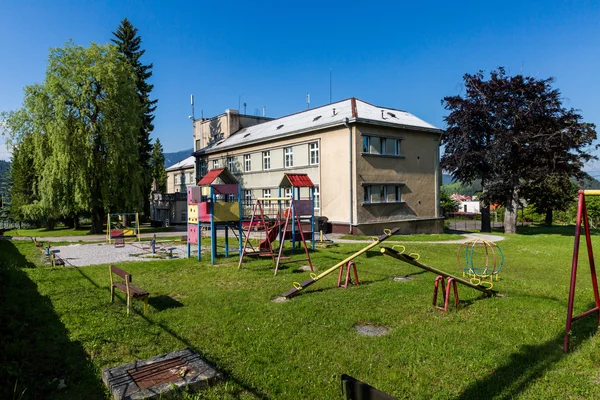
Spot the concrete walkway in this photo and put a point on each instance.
(336, 237)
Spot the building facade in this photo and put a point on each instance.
(373, 168)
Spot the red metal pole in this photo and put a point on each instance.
(580, 209)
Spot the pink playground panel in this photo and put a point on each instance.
(192, 234)
(194, 195)
(204, 212)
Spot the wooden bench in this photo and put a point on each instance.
(130, 290)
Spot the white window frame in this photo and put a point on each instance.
(230, 161)
(371, 142)
(384, 191)
(247, 163)
(317, 198)
(313, 153)
(215, 164)
(176, 176)
(288, 155)
(266, 158)
(248, 196)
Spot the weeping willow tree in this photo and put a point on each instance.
(80, 129)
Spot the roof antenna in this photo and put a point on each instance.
(192, 117)
(307, 101)
(244, 108)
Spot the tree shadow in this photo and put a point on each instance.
(35, 349)
(527, 365)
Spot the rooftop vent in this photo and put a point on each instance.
(391, 114)
(334, 112)
(246, 135)
(280, 126)
(316, 118)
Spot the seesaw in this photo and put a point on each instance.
(300, 286)
(407, 258)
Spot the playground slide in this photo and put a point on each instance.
(272, 235)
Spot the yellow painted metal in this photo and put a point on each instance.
(591, 192)
(346, 260)
(226, 211)
(274, 198)
(193, 213)
(409, 259)
(206, 191)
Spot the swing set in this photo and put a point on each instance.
(582, 218)
(122, 225)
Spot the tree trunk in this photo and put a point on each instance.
(97, 221)
(486, 225)
(69, 222)
(548, 220)
(76, 222)
(510, 215)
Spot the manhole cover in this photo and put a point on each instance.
(159, 375)
(401, 278)
(370, 329)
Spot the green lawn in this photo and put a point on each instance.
(59, 324)
(82, 231)
(412, 238)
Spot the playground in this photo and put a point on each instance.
(508, 346)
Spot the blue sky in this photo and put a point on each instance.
(404, 55)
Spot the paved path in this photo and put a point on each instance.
(337, 238)
(467, 236)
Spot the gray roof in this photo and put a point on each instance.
(318, 118)
(183, 164)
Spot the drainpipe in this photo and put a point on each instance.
(350, 175)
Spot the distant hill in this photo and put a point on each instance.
(588, 183)
(173, 158)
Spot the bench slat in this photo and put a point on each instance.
(134, 290)
(118, 271)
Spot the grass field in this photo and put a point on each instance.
(64, 231)
(58, 323)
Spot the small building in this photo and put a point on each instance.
(181, 175)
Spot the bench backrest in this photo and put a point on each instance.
(118, 271)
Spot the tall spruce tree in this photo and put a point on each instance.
(128, 43)
(159, 174)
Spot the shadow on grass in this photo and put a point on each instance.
(163, 302)
(35, 348)
(527, 365)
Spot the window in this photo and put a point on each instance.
(248, 196)
(378, 193)
(190, 180)
(231, 198)
(230, 163)
(317, 198)
(267, 195)
(266, 160)
(288, 194)
(215, 164)
(288, 153)
(381, 146)
(202, 168)
(247, 163)
(184, 216)
(197, 144)
(177, 179)
(313, 153)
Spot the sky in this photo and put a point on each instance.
(396, 54)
